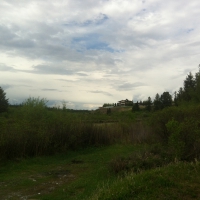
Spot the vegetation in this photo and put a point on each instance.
(136, 107)
(109, 104)
(3, 101)
(150, 150)
(34, 130)
(175, 181)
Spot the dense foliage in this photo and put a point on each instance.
(32, 129)
(190, 92)
(3, 101)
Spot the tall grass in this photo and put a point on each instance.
(175, 181)
(34, 130)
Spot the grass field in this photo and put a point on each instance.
(74, 175)
(53, 154)
(85, 174)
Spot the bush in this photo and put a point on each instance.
(179, 129)
(176, 144)
(139, 161)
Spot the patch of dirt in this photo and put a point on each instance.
(52, 180)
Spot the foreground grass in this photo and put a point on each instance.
(85, 175)
(74, 175)
(176, 181)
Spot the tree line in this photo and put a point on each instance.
(190, 92)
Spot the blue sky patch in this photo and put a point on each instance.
(97, 21)
(190, 30)
(91, 41)
(100, 19)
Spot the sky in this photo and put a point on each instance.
(91, 52)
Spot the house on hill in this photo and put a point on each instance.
(125, 102)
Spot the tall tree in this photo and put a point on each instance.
(180, 94)
(3, 101)
(189, 82)
(189, 87)
(197, 86)
(166, 100)
(148, 104)
(157, 102)
(175, 99)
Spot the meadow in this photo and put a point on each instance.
(55, 153)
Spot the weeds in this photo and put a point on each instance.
(175, 181)
(142, 160)
(35, 130)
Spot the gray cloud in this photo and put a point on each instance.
(6, 86)
(81, 74)
(130, 86)
(49, 89)
(48, 69)
(4, 67)
(65, 80)
(101, 92)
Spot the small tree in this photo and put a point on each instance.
(135, 107)
(64, 104)
(34, 108)
(175, 99)
(108, 111)
(148, 104)
(157, 102)
(3, 101)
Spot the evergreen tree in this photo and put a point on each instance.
(197, 87)
(148, 104)
(3, 101)
(189, 87)
(175, 99)
(157, 102)
(180, 94)
(189, 82)
(166, 100)
(135, 107)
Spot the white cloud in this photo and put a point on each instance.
(97, 51)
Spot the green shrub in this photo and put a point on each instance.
(139, 161)
(179, 129)
(175, 142)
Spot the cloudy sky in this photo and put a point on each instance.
(96, 51)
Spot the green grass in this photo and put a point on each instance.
(74, 175)
(85, 174)
(175, 181)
